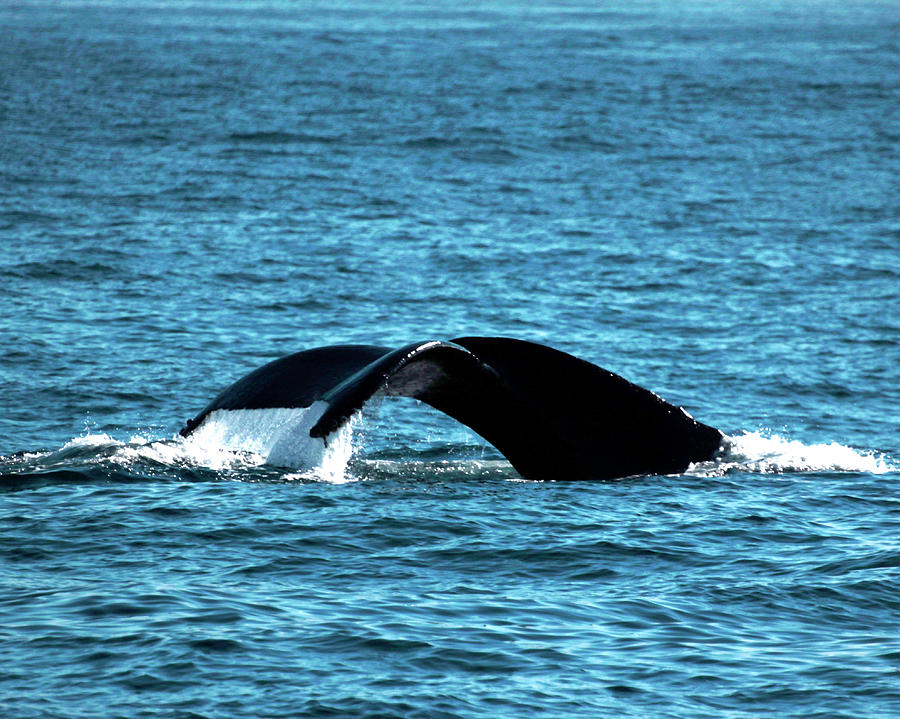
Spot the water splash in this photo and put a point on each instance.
(764, 453)
(278, 437)
(234, 441)
(228, 442)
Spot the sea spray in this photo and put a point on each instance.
(278, 437)
(765, 453)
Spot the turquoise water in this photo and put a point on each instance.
(699, 197)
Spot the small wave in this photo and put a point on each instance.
(278, 137)
(431, 142)
(65, 270)
(488, 155)
(764, 453)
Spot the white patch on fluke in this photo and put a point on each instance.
(771, 454)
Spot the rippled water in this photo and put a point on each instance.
(700, 197)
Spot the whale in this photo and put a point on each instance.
(552, 415)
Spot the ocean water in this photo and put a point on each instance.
(702, 197)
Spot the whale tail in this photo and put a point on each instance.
(552, 415)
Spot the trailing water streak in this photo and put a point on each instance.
(278, 436)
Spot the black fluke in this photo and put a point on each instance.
(552, 415)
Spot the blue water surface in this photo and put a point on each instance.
(702, 197)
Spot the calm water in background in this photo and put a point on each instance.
(700, 197)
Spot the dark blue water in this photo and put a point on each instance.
(702, 197)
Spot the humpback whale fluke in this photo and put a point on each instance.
(552, 415)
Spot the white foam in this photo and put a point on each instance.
(95, 441)
(772, 454)
(172, 452)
